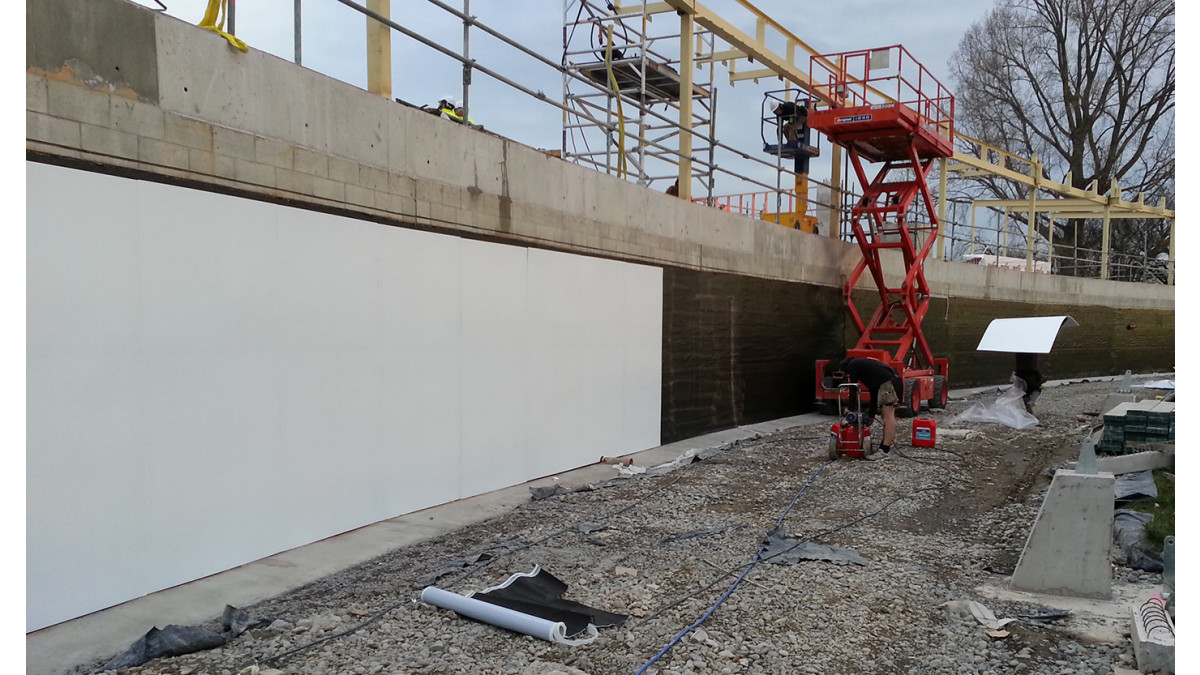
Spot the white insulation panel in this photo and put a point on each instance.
(212, 380)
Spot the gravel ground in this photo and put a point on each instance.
(934, 524)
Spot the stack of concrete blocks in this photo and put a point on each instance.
(1130, 425)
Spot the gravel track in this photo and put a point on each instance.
(935, 524)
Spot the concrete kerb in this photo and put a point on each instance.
(59, 648)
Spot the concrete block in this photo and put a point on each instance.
(211, 163)
(232, 143)
(372, 178)
(1134, 463)
(359, 196)
(1115, 399)
(1067, 552)
(49, 129)
(1153, 635)
(254, 173)
(162, 153)
(36, 97)
(187, 132)
(108, 141)
(136, 117)
(328, 189)
(274, 153)
(342, 170)
(77, 103)
(312, 163)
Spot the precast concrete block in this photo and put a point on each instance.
(55, 130)
(136, 117)
(1153, 634)
(232, 143)
(358, 196)
(106, 141)
(274, 152)
(162, 153)
(342, 170)
(1067, 552)
(311, 163)
(36, 97)
(188, 132)
(77, 103)
(372, 178)
(254, 173)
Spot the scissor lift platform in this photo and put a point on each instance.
(904, 118)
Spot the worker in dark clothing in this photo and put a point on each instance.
(792, 117)
(1027, 371)
(884, 384)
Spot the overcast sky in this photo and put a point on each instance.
(333, 43)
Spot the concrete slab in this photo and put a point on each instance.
(1099, 620)
(59, 648)
(1067, 552)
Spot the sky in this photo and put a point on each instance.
(333, 40)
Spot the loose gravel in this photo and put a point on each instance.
(935, 525)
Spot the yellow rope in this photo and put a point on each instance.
(211, 22)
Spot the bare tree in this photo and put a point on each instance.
(1087, 85)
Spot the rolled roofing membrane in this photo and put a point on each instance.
(551, 631)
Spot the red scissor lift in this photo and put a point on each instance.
(902, 116)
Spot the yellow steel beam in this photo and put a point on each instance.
(752, 75)
(1071, 208)
(726, 55)
(379, 50)
(754, 48)
(686, 33)
(651, 8)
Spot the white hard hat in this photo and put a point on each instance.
(451, 100)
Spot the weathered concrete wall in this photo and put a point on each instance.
(746, 306)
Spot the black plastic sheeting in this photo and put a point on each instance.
(540, 594)
(782, 550)
(1134, 486)
(1129, 529)
(178, 640)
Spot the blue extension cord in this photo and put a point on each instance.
(751, 566)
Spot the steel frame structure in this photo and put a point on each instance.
(633, 72)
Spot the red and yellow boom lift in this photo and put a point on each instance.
(884, 107)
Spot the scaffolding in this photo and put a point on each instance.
(637, 93)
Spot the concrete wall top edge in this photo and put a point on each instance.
(324, 138)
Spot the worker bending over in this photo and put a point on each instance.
(884, 383)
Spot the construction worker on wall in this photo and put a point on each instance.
(884, 384)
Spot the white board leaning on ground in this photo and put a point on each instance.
(1023, 335)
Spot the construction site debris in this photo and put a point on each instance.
(782, 550)
(1008, 410)
(1128, 533)
(530, 603)
(178, 640)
